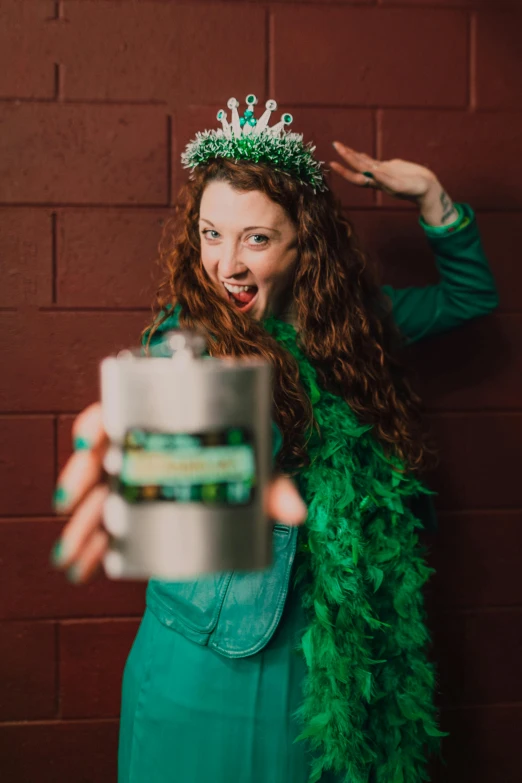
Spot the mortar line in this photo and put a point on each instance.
(56, 417)
(58, 695)
(472, 62)
(158, 207)
(270, 68)
(170, 153)
(85, 101)
(291, 105)
(57, 78)
(266, 84)
(377, 130)
(54, 257)
(94, 309)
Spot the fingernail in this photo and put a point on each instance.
(335, 145)
(57, 553)
(81, 443)
(59, 497)
(73, 574)
(368, 174)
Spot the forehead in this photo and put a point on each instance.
(224, 205)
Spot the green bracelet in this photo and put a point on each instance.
(461, 221)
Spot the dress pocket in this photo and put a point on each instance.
(192, 608)
(233, 612)
(254, 601)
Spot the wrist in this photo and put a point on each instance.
(436, 207)
(461, 220)
(432, 193)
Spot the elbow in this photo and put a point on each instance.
(483, 302)
(461, 309)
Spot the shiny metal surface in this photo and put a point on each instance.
(186, 394)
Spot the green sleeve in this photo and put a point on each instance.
(466, 288)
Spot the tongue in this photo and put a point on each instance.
(243, 297)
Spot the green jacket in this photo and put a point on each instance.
(237, 613)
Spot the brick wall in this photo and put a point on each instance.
(97, 98)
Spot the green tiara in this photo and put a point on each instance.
(248, 138)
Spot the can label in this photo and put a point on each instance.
(209, 467)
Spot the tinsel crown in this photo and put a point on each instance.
(248, 138)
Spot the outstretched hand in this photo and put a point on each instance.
(81, 493)
(398, 178)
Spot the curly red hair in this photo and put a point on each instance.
(344, 321)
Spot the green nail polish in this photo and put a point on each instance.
(81, 443)
(73, 574)
(57, 553)
(59, 497)
(368, 174)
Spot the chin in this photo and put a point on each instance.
(260, 311)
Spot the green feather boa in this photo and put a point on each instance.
(368, 695)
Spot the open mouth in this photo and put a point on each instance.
(243, 299)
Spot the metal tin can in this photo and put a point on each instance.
(188, 461)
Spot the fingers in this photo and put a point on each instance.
(351, 156)
(284, 503)
(351, 176)
(83, 469)
(90, 559)
(81, 473)
(88, 429)
(365, 167)
(83, 541)
(397, 178)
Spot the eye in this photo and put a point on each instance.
(260, 239)
(207, 231)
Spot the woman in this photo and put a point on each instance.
(315, 669)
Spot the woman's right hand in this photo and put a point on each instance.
(80, 492)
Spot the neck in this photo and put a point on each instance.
(288, 313)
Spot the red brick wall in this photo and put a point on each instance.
(97, 98)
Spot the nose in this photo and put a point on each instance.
(230, 263)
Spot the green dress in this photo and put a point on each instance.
(192, 715)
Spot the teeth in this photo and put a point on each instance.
(236, 289)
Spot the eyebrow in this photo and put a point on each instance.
(248, 228)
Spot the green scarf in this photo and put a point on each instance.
(368, 695)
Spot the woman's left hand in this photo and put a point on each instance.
(400, 179)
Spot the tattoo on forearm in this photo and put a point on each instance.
(447, 206)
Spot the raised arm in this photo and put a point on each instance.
(466, 288)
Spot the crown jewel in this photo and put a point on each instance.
(251, 138)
